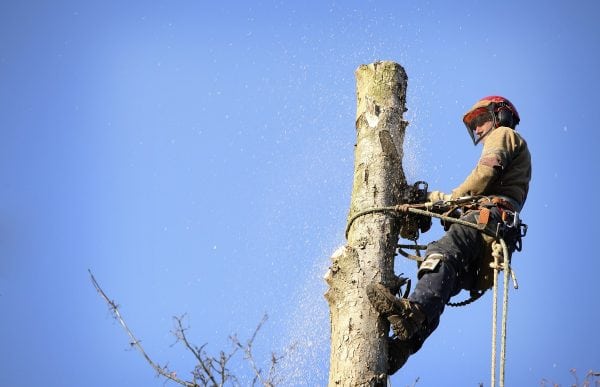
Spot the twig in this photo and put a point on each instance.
(258, 374)
(114, 308)
(573, 372)
(203, 361)
(591, 377)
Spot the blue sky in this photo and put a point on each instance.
(197, 157)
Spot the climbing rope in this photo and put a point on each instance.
(404, 208)
(507, 270)
(500, 250)
(496, 266)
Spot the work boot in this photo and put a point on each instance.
(398, 353)
(397, 283)
(404, 316)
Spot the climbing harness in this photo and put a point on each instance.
(510, 226)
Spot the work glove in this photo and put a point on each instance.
(436, 196)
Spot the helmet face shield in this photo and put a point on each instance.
(476, 118)
(495, 109)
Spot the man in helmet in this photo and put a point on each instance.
(458, 260)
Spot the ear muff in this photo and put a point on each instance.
(504, 116)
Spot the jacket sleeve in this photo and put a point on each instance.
(495, 156)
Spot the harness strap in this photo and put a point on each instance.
(505, 202)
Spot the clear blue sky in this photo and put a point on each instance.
(197, 157)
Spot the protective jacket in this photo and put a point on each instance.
(504, 168)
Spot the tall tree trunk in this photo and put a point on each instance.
(358, 336)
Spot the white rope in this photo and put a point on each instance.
(496, 267)
(500, 250)
(507, 271)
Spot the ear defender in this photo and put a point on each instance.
(504, 116)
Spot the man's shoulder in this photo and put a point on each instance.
(506, 134)
(504, 131)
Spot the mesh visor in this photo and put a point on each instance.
(477, 118)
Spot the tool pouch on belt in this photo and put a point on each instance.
(484, 274)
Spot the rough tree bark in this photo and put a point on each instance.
(358, 336)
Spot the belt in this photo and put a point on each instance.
(502, 201)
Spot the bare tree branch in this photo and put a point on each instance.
(209, 370)
(114, 308)
(590, 377)
(203, 361)
(248, 355)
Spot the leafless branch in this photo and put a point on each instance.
(249, 356)
(204, 362)
(590, 377)
(209, 370)
(114, 308)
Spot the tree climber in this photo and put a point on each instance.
(460, 259)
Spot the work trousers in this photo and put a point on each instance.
(459, 252)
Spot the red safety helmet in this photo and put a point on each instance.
(494, 108)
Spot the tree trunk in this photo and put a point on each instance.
(358, 335)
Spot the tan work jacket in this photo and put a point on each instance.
(504, 168)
